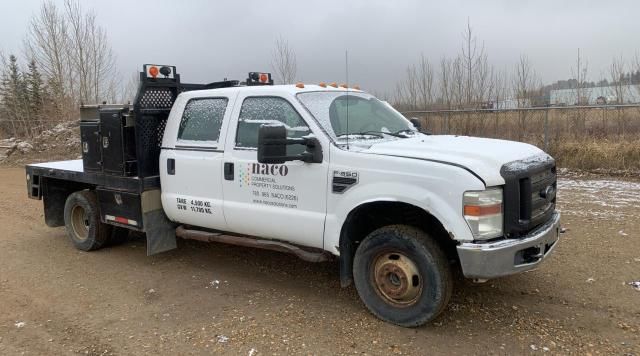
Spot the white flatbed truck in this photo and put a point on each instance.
(319, 171)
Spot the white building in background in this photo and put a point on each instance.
(595, 96)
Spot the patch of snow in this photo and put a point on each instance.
(24, 147)
(622, 233)
(252, 352)
(195, 142)
(590, 280)
(222, 339)
(635, 285)
(527, 163)
(73, 165)
(215, 283)
(604, 199)
(20, 324)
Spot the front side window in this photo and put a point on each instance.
(202, 120)
(257, 111)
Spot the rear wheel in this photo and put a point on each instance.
(402, 275)
(82, 220)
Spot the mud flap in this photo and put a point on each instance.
(161, 232)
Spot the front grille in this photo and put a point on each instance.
(529, 194)
(543, 193)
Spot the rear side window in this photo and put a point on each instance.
(257, 111)
(202, 120)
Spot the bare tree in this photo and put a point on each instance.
(73, 53)
(580, 72)
(471, 56)
(411, 89)
(78, 39)
(635, 67)
(484, 78)
(130, 88)
(425, 82)
(445, 82)
(501, 88)
(91, 55)
(102, 60)
(617, 83)
(458, 92)
(525, 83)
(284, 62)
(47, 43)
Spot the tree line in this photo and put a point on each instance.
(469, 81)
(66, 61)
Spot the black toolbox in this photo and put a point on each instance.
(108, 140)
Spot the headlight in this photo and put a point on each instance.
(483, 212)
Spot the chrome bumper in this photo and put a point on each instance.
(509, 256)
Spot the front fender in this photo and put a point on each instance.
(444, 203)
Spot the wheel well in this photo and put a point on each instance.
(368, 217)
(54, 196)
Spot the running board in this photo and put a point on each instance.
(206, 236)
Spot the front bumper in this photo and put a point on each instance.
(509, 256)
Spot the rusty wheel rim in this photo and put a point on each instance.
(80, 223)
(397, 279)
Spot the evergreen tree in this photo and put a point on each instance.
(15, 99)
(35, 91)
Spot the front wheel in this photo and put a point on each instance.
(402, 275)
(82, 220)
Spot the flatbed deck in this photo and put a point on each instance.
(73, 170)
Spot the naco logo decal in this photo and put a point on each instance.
(261, 170)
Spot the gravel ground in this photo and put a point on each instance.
(211, 298)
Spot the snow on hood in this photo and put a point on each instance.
(483, 156)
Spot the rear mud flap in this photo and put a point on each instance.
(161, 233)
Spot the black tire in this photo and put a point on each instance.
(82, 220)
(402, 275)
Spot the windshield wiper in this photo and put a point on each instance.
(411, 131)
(404, 131)
(378, 134)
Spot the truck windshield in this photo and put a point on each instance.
(368, 117)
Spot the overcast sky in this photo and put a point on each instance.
(209, 40)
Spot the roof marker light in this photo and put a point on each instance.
(356, 87)
(344, 85)
(300, 85)
(153, 71)
(322, 85)
(333, 85)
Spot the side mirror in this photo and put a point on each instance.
(273, 142)
(416, 123)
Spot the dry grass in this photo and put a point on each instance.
(579, 138)
(598, 154)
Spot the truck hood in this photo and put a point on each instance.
(483, 156)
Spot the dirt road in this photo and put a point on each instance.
(209, 298)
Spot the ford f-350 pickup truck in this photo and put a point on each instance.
(319, 171)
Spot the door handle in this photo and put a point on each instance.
(171, 166)
(228, 170)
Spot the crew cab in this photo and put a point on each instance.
(324, 172)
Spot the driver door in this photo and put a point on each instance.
(279, 201)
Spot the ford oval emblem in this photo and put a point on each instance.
(548, 193)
